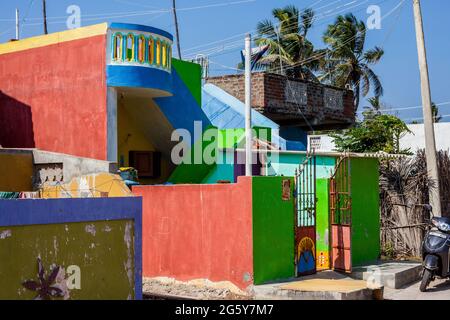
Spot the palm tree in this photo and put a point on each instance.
(435, 111)
(288, 47)
(351, 64)
(374, 109)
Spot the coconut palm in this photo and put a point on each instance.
(288, 46)
(435, 111)
(374, 109)
(351, 63)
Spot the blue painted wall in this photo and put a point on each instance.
(138, 77)
(182, 109)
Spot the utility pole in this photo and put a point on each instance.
(177, 33)
(44, 11)
(17, 25)
(430, 144)
(248, 107)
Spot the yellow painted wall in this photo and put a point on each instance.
(54, 38)
(131, 138)
(16, 172)
(129, 135)
(89, 186)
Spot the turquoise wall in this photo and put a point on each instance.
(287, 163)
(284, 165)
(221, 171)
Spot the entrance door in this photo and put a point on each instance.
(305, 224)
(341, 217)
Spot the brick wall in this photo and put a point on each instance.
(235, 85)
(269, 97)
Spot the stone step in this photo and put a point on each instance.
(392, 275)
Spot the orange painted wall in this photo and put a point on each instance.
(54, 98)
(198, 232)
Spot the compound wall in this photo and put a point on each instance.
(84, 248)
(198, 231)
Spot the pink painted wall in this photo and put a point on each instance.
(54, 98)
(198, 232)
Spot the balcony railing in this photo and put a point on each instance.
(142, 49)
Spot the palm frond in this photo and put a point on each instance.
(374, 55)
(307, 19)
(375, 82)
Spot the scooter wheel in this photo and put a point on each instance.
(426, 279)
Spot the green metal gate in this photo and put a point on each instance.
(305, 224)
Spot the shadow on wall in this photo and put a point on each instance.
(16, 123)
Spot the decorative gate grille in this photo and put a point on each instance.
(305, 224)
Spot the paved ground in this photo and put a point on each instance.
(438, 290)
(339, 285)
(325, 285)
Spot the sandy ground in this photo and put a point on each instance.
(196, 289)
(438, 290)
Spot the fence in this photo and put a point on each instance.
(404, 186)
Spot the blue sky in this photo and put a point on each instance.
(218, 27)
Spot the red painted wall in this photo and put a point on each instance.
(54, 98)
(198, 232)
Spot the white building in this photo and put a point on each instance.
(416, 139)
(413, 141)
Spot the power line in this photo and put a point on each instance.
(99, 16)
(321, 55)
(220, 48)
(412, 108)
(251, 31)
(177, 33)
(421, 118)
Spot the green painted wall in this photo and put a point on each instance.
(100, 249)
(230, 138)
(233, 138)
(191, 74)
(273, 230)
(365, 211)
(193, 171)
(323, 224)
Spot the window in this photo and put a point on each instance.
(169, 54)
(333, 99)
(130, 47)
(118, 47)
(141, 49)
(151, 51)
(158, 53)
(164, 55)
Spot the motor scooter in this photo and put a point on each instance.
(435, 250)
